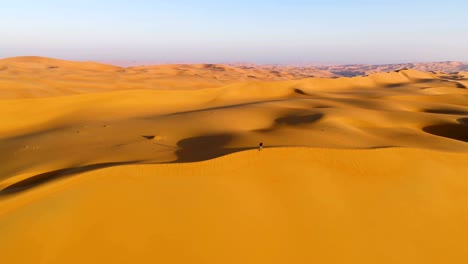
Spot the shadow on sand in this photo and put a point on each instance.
(205, 147)
(293, 120)
(445, 111)
(449, 83)
(449, 130)
(42, 178)
(463, 121)
(189, 150)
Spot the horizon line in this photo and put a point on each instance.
(135, 63)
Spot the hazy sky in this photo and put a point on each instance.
(258, 31)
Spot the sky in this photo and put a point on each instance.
(255, 31)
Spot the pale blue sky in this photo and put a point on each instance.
(258, 31)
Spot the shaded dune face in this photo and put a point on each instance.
(46, 177)
(205, 147)
(456, 84)
(449, 130)
(446, 111)
(293, 120)
(299, 91)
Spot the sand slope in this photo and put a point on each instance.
(326, 206)
(160, 166)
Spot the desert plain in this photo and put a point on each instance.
(160, 164)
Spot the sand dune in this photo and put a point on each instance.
(33, 77)
(160, 164)
(327, 206)
(366, 69)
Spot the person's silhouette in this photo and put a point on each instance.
(260, 146)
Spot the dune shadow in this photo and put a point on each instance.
(463, 121)
(404, 84)
(452, 77)
(323, 106)
(293, 120)
(454, 83)
(445, 111)
(381, 147)
(205, 147)
(423, 80)
(299, 91)
(217, 108)
(449, 130)
(214, 67)
(46, 177)
(395, 85)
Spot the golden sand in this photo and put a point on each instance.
(159, 164)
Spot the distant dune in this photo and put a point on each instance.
(43, 77)
(160, 164)
(363, 69)
(326, 71)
